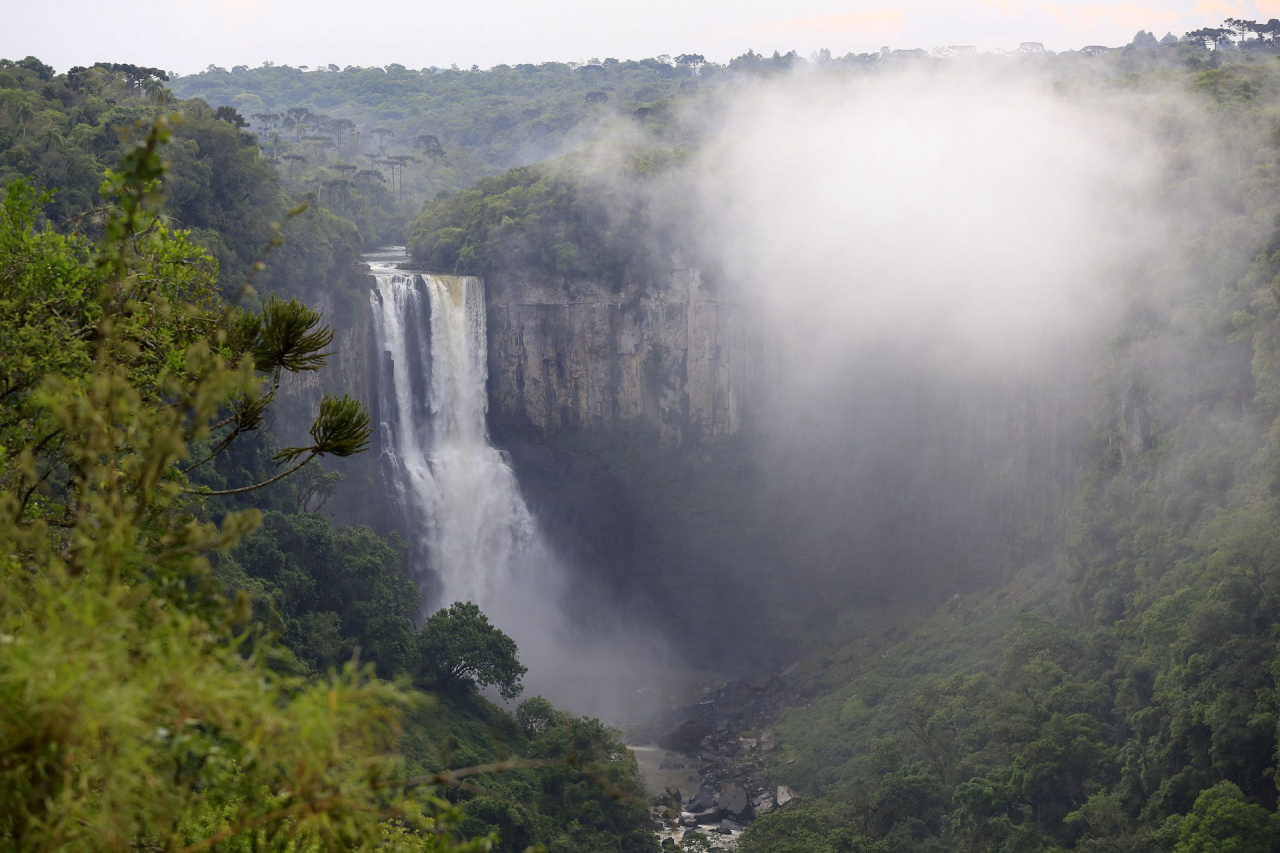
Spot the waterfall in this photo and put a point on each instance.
(472, 538)
(471, 535)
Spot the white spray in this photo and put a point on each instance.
(472, 536)
(461, 499)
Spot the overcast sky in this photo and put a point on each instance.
(187, 35)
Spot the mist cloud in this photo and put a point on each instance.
(978, 215)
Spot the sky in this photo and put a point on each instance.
(187, 35)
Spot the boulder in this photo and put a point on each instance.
(685, 736)
(733, 801)
(783, 796)
(704, 800)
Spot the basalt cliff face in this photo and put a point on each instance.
(581, 357)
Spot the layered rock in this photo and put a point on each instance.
(582, 357)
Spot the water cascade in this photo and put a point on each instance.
(472, 536)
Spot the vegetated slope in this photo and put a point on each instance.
(487, 120)
(1123, 696)
(63, 131)
(331, 594)
(562, 218)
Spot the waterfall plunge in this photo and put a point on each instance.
(471, 535)
(461, 503)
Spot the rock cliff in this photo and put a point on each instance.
(576, 356)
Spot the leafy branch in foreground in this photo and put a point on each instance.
(341, 429)
(284, 336)
(137, 708)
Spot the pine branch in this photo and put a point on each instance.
(277, 478)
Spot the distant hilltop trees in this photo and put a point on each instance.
(1238, 32)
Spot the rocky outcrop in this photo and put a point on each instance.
(735, 757)
(579, 356)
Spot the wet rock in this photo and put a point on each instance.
(728, 827)
(685, 737)
(733, 801)
(704, 800)
(671, 765)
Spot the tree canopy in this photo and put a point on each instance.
(457, 645)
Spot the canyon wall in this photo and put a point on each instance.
(582, 357)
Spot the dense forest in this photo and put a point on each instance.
(196, 655)
(231, 669)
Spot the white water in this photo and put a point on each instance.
(471, 535)
(472, 528)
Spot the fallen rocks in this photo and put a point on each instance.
(728, 738)
(685, 736)
(704, 800)
(733, 802)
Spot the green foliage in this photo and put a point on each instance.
(331, 594)
(571, 217)
(458, 646)
(585, 797)
(134, 709)
(535, 716)
(286, 336)
(1222, 822)
(61, 132)
(482, 120)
